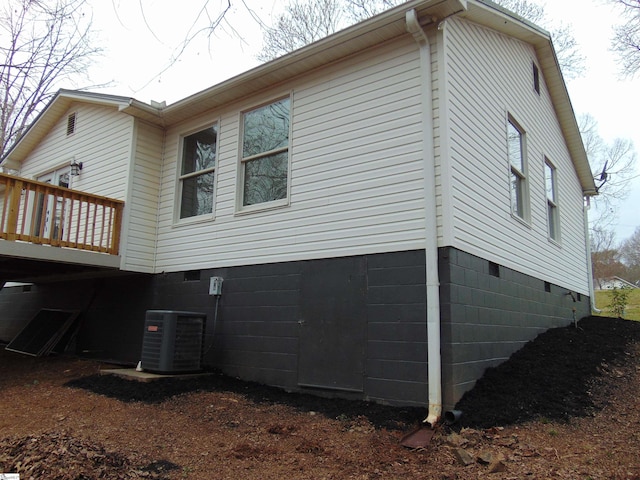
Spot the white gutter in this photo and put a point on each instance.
(431, 232)
(587, 239)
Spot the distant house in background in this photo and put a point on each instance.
(393, 209)
(613, 282)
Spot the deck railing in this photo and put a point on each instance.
(41, 213)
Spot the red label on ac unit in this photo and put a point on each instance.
(152, 328)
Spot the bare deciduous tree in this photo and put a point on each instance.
(626, 37)
(362, 9)
(43, 43)
(605, 256)
(305, 21)
(630, 253)
(613, 165)
(302, 23)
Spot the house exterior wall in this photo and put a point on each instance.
(489, 311)
(102, 142)
(268, 323)
(356, 171)
(138, 246)
(301, 325)
(487, 78)
(259, 331)
(337, 276)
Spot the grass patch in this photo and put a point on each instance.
(632, 312)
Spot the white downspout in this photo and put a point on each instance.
(592, 294)
(431, 233)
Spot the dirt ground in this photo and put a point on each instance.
(565, 407)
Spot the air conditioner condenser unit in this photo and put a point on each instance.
(172, 341)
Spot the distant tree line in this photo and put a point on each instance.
(615, 260)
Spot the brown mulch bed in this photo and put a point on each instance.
(566, 406)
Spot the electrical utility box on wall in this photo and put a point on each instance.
(172, 341)
(215, 286)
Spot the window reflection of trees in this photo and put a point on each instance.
(265, 153)
(198, 173)
(266, 179)
(516, 159)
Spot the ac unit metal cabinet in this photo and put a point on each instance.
(172, 341)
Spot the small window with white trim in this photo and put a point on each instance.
(197, 172)
(516, 149)
(265, 154)
(553, 217)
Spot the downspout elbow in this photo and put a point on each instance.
(414, 27)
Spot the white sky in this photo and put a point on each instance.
(139, 50)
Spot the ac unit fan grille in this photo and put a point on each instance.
(172, 341)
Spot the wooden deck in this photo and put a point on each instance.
(43, 214)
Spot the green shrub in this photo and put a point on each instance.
(619, 300)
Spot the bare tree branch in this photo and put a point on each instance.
(42, 44)
(305, 21)
(626, 37)
(613, 165)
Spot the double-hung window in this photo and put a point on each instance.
(197, 173)
(553, 219)
(517, 164)
(265, 154)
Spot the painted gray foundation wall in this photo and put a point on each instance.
(258, 334)
(488, 312)
(353, 327)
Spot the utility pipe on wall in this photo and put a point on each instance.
(431, 233)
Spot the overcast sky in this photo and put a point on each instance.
(141, 45)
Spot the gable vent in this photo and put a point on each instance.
(71, 124)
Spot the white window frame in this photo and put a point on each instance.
(520, 204)
(551, 195)
(180, 178)
(278, 203)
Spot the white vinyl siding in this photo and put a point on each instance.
(488, 78)
(356, 171)
(141, 218)
(102, 142)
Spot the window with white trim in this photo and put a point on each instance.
(518, 168)
(553, 219)
(197, 172)
(265, 153)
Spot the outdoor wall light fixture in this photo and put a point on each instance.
(75, 168)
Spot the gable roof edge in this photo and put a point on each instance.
(58, 106)
(492, 15)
